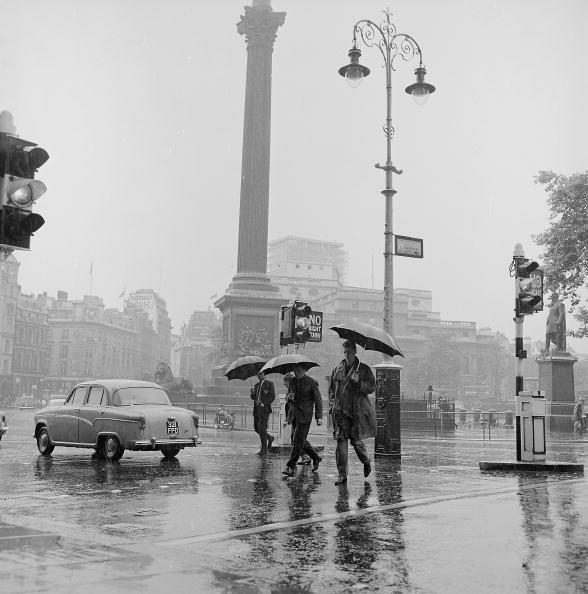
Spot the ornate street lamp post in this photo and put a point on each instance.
(391, 45)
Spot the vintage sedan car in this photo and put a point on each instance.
(3, 426)
(111, 416)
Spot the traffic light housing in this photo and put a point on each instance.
(529, 297)
(19, 161)
(295, 323)
(301, 321)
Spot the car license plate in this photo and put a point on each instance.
(172, 427)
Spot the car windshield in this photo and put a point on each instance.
(131, 396)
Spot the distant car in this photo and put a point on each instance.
(56, 400)
(111, 416)
(3, 426)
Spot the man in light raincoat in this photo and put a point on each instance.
(354, 418)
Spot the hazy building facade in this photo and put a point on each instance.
(30, 362)
(8, 302)
(310, 270)
(87, 341)
(194, 350)
(148, 302)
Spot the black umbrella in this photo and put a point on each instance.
(371, 338)
(286, 363)
(244, 367)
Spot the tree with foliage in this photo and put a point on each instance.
(565, 240)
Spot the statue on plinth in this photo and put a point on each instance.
(555, 331)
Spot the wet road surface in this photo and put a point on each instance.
(220, 519)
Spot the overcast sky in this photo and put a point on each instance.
(140, 106)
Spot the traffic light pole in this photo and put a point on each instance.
(520, 352)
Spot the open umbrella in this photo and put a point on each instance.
(286, 363)
(371, 338)
(245, 367)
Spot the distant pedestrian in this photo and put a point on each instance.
(354, 418)
(262, 394)
(304, 398)
(578, 417)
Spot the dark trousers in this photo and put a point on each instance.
(301, 445)
(342, 456)
(260, 427)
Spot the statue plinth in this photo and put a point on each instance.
(556, 378)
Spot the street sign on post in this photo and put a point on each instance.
(315, 326)
(411, 247)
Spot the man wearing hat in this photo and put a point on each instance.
(354, 418)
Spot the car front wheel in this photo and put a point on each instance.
(110, 448)
(170, 451)
(44, 444)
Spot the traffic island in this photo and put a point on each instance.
(523, 466)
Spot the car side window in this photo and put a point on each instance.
(79, 395)
(96, 395)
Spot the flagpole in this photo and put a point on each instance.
(91, 266)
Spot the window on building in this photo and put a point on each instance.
(63, 351)
(63, 368)
(355, 304)
(64, 333)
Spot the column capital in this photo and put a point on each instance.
(260, 26)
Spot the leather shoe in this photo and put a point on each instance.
(316, 463)
(261, 453)
(288, 471)
(341, 480)
(367, 469)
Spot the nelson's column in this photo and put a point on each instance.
(251, 304)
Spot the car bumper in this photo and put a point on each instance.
(155, 444)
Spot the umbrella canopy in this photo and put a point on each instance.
(286, 363)
(371, 338)
(244, 367)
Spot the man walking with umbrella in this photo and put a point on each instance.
(262, 394)
(304, 396)
(353, 415)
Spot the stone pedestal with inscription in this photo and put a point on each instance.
(388, 410)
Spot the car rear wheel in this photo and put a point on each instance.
(110, 448)
(170, 451)
(44, 444)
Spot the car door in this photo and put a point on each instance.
(70, 414)
(91, 414)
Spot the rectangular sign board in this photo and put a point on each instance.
(412, 247)
(316, 326)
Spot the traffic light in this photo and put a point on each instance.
(301, 321)
(19, 161)
(529, 287)
(286, 325)
(295, 323)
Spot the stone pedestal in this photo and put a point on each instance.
(251, 323)
(556, 378)
(388, 410)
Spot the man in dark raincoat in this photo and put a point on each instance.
(304, 397)
(263, 394)
(354, 418)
